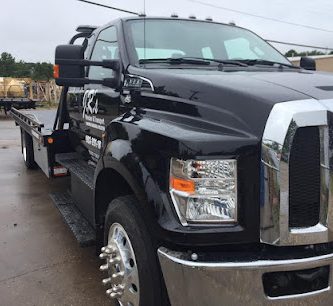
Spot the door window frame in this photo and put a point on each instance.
(91, 51)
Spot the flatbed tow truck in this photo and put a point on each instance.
(199, 160)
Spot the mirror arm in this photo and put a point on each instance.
(111, 64)
(109, 82)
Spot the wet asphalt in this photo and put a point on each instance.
(40, 260)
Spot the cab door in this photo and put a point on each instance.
(100, 104)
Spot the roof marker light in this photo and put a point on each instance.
(192, 17)
(174, 15)
(209, 19)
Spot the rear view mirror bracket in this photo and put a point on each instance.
(70, 72)
(110, 64)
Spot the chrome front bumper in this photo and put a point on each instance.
(194, 283)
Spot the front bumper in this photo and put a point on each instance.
(228, 283)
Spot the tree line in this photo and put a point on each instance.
(292, 53)
(10, 67)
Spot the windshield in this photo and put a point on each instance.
(185, 38)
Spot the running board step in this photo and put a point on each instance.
(78, 167)
(82, 230)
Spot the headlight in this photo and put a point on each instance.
(204, 191)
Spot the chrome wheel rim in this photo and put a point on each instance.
(121, 265)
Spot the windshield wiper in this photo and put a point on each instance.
(176, 61)
(227, 62)
(253, 62)
(192, 61)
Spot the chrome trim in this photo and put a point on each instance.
(182, 219)
(235, 283)
(142, 78)
(284, 119)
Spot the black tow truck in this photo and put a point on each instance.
(200, 163)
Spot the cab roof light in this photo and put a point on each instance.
(174, 15)
(142, 15)
(192, 17)
(209, 19)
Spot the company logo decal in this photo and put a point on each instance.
(90, 102)
(90, 110)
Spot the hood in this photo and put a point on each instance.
(230, 102)
(317, 85)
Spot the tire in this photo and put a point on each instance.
(123, 214)
(28, 150)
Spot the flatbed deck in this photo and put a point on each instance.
(45, 117)
(41, 121)
(46, 142)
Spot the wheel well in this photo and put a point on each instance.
(110, 185)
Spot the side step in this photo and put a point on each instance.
(82, 230)
(78, 167)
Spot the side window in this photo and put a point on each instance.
(106, 48)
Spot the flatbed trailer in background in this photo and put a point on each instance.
(16, 92)
(19, 103)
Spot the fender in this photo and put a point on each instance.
(119, 158)
(140, 147)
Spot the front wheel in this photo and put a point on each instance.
(134, 277)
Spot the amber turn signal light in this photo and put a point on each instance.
(56, 71)
(182, 185)
(50, 140)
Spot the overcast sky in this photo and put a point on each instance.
(31, 29)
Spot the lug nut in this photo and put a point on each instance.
(115, 260)
(103, 256)
(115, 295)
(109, 291)
(118, 288)
(119, 274)
(106, 281)
(110, 249)
(104, 267)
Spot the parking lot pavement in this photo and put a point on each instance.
(40, 261)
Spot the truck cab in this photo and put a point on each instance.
(200, 163)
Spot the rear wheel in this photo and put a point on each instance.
(28, 150)
(134, 277)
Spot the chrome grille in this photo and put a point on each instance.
(297, 202)
(304, 178)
